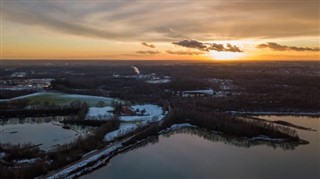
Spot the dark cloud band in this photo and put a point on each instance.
(208, 46)
(148, 52)
(278, 47)
(148, 45)
(184, 52)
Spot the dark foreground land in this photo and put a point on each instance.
(246, 86)
(210, 95)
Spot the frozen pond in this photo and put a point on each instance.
(47, 131)
(196, 154)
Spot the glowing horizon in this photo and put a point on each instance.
(153, 30)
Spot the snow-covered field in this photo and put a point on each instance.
(99, 113)
(128, 124)
(153, 113)
(124, 129)
(159, 81)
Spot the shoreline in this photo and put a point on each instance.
(96, 159)
(278, 113)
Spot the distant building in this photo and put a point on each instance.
(197, 93)
(148, 78)
(127, 111)
(19, 74)
(25, 84)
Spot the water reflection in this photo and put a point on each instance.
(214, 137)
(230, 140)
(194, 153)
(46, 131)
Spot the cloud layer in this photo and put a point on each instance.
(178, 52)
(208, 46)
(167, 20)
(278, 47)
(148, 45)
(125, 29)
(148, 52)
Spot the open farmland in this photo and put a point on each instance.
(61, 98)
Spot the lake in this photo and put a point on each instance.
(47, 131)
(191, 153)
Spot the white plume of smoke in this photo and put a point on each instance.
(136, 69)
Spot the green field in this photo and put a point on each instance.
(61, 98)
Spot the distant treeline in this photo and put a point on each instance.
(206, 118)
(258, 86)
(18, 108)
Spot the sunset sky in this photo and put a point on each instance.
(164, 30)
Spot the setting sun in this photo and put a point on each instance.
(67, 30)
(226, 55)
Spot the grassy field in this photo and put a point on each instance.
(61, 98)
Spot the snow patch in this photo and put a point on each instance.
(2, 154)
(160, 81)
(91, 152)
(266, 138)
(176, 127)
(67, 171)
(25, 161)
(152, 113)
(99, 113)
(124, 129)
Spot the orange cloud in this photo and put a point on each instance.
(208, 46)
(148, 45)
(278, 47)
(150, 52)
(184, 52)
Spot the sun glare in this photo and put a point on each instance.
(226, 55)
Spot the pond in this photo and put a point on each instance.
(46, 131)
(191, 153)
